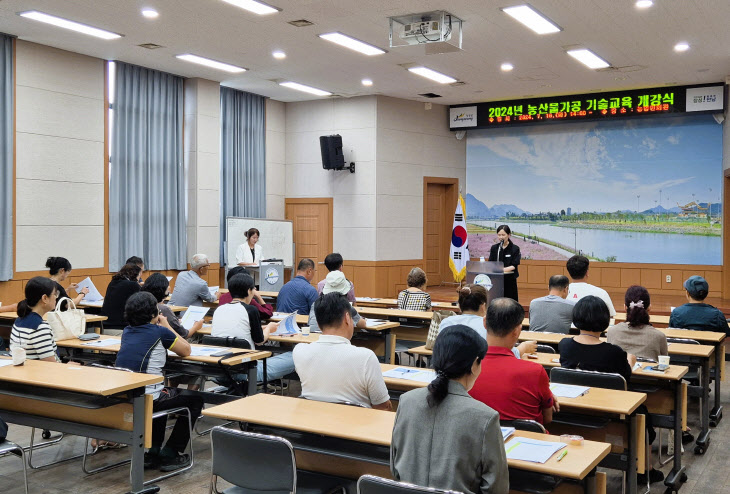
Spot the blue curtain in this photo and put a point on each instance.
(147, 204)
(6, 157)
(243, 157)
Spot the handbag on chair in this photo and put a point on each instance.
(433, 329)
(67, 324)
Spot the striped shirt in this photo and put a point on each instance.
(35, 335)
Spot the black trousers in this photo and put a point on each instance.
(171, 398)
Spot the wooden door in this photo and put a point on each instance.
(312, 222)
(439, 203)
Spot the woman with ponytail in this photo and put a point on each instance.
(30, 331)
(636, 335)
(443, 437)
(60, 268)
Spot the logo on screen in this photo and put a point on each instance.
(483, 280)
(271, 276)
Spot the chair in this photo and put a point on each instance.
(545, 349)
(524, 425)
(370, 484)
(7, 447)
(258, 463)
(587, 378)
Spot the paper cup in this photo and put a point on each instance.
(305, 330)
(663, 359)
(18, 353)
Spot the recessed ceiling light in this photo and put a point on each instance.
(532, 19)
(254, 6)
(506, 67)
(150, 13)
(211, 63)
(588, 58)
(367, 82)
(681, 46)
(432, 74)
(644, 4)
(279, 55)
(66, 24)
(306, 89)
(352, 43)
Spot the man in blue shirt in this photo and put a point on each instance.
(144, 349)
(298, 295)
(696, 314)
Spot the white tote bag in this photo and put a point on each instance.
(67, 324)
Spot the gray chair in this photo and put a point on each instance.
(257, 463)
(7, 447)
(545, 349)
(581, 377)
(524, 425)
(370, 484)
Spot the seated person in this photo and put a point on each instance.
(139, 262)
(336, 283)
(517, 389)
(415, 297)
(298, 295)
(578, 288)
(158, 286)
(636, 335)
(332, 369)
(144, 348)
(473, 305)
(265, 310)
(442, 437)
(553, 313)
(239, 319)
(190, 287)
(123, 285)
(696, 314)
(333, 262)
(60, 269)
(30, 330)
(587, 352)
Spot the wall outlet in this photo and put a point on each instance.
(669, 278)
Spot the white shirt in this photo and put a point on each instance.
(243, 254)
(231, 320)
(577, 291)
(333, 370)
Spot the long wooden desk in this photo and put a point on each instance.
(98, 305)
(90, 318)
(193, 365)
(364, 435)
(7, 318)
(390, 303)
(656, 320)
(85, 401)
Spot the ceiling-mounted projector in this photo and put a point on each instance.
(439, 31)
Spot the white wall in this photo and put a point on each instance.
(412, 143)
(275, 159)
(60, 157)
(354, 217)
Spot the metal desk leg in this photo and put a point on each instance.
(632, 488)
(252, 376)
(136, 471)
(389, 348)
(703, 441)
(716, 412)
(677, 476)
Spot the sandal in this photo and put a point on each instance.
(100, 445)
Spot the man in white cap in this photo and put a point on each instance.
(336, 282)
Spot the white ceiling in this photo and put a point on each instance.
(640, 41)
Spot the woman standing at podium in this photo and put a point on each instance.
(509, 254)
(249, 253)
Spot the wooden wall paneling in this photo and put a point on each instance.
(537, 274)
(651, 279)
(365, 276)
(11, 292)
(630, 277)
(714, 279)
(676, 283)
(610, 277)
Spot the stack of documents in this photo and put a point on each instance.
(534, 450)
(423, 376)
(371, 323)
(102, 343)
(507, 432)
(568, 390)
(366, 299)
(287, 326)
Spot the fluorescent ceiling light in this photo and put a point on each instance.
(681, 46)
(66, 24)
(352, 43)
(279, 55)
(432, 74)
(532, 19)
(506, 67)
(211, 63)
(150, 13)
(589, 59)
(644, 4)
(254, 6)
(367, 82)
(306, 89)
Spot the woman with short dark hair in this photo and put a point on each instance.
(443, 437)
(158, 286)
(123, 285)
(509, 254)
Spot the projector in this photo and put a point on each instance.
(426, 29)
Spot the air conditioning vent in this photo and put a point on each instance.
(430, 95)
(150, 46)
(301, 23)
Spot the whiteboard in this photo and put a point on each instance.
(276, 239)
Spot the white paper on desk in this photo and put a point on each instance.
(193, 315)
(93, 295)
(105, 342)
(371, 323)
(213, 290)
(534, 450)
(423, 376)
(366, 299)
(507, 432)
(288, 325)
(205, 351)
(97, 303)
(5, 361)
(280, 315)
(568, 390)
